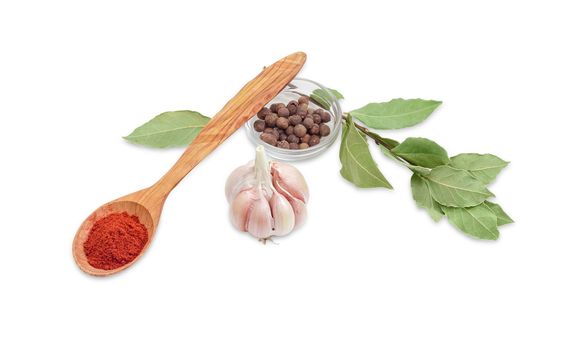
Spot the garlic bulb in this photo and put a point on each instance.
(266, 198)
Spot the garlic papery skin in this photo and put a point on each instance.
(266, 198)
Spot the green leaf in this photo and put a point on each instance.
(322, 97)
(422, 196)
(502, 217)
(456, 188)
(395, 114)
(422, 152)
(169, 129)
(479, 221)
(484, 167)
(358, 166)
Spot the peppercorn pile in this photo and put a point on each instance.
(294, 125)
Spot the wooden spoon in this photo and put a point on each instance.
(147, 204)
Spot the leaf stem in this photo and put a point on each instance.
(379, 140)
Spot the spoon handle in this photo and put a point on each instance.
(248, 101)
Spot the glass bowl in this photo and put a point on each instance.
(322, 98)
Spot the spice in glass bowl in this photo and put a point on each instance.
(295, 125)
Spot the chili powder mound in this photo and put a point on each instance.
(115, 240)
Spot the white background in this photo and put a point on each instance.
(369, 270)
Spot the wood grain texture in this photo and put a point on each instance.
(147, 204)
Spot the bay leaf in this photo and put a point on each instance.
(395, 114)
(422, 196)
(357, 165)
(484, 167)
(169, 129)
(422, 152)
(456, 188)
(478, 221)
(502, 217)
(322, 97)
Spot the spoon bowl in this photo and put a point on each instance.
(147, 204)
(114, 207)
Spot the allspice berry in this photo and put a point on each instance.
(293, 102)
(272, 131)
(282, 136)
(305, 138)
(282, 122)
(324, 130)
(303, 145)
(314, 129)
(268, 138)
(295, 120)
(308, 123)
(283, 112)
(290, 130)
(271, 120)
(283, 144)
(316, 118)
(276, 106)
(293, 139)
(259, 125)
(303, 99)
(314, 140)
(292, 107)
(294, 146)
(325, 117)
(302, 109)
(263, 113)
(300, 130)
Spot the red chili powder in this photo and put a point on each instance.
(115, 240)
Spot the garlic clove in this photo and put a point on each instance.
(259, 222)
(283, 214)
(298, 206)
(239, 210)
(250, 212)
(300, 211)
(291, 180)
(240, 179)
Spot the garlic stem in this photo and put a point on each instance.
(262, 172)
(262, 168)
